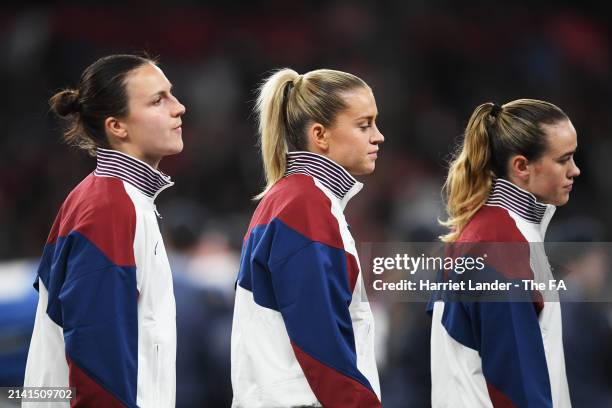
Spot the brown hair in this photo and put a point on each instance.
(101, 93)
(493, 135)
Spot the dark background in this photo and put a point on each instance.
(430, 63)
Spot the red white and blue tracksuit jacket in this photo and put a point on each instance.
(502, 354)
(303, 331)
(105, 322)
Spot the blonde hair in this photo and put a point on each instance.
(287, 103)
(493, 135)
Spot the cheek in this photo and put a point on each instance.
(149, 132)
(153, 125)
(556, 181)
(549, 172)
(362, 145)
(345, 144)
(141, 122)
(561, 173)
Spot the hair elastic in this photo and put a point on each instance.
(495, 110)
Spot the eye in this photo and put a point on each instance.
(157, 100)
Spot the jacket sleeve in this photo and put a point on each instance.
(512, 352)
(312, 292)
(93, 297)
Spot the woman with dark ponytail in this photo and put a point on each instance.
(105, 322)
(516, 164)
(303, 334)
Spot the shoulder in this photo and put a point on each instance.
(491, 224)
(99, 200)
(101, 212)
(297, 202)
(294, 189)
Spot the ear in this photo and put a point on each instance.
(115, 128)
(519, 167)
(318, 138)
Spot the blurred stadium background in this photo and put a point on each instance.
(430, 64)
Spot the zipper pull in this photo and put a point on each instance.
(157, 213)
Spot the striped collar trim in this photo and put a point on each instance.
(511, 197)
(327, 172)
(149, 181)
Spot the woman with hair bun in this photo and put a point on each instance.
(105, 322)
(515, 165)
(303, 333)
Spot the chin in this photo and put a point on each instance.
(176, 149)
(362, 171)
(562, 201)
(368, 171)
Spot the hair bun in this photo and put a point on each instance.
(66, 102)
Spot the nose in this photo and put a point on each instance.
(575, 170)
(178, 108)
(378, 137)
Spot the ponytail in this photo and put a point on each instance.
(271, 109)
(470, 176)
(493, 135)
(287, 103)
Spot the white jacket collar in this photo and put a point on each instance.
(329, 173)
(146, 179)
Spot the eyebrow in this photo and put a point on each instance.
(568, 153)
(163, 92)
(369, 117)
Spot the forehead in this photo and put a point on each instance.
(145, 81)
(360, 102)
(561, 137)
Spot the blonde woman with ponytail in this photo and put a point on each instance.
(515, 165)
(302, 334)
